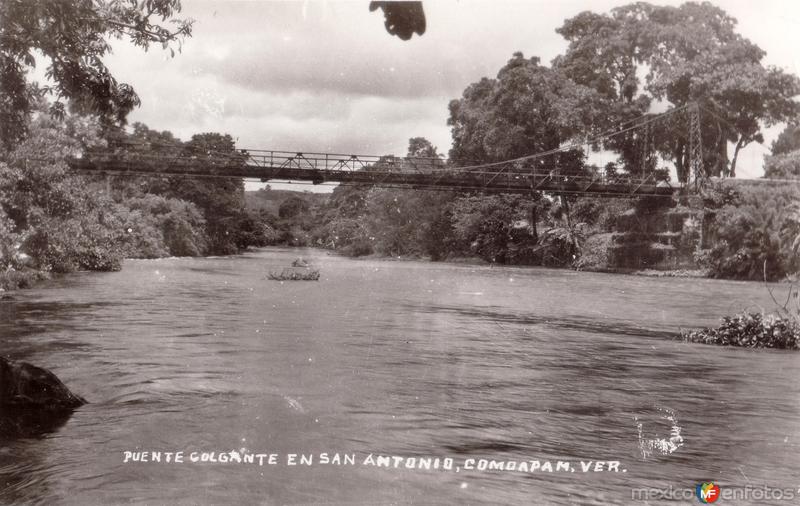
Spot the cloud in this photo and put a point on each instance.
(267, 62)
(309, 120)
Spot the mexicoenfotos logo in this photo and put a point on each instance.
(707, 492)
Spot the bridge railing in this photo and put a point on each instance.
(339, 161)
(376, 170)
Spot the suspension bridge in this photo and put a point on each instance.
(539, 172)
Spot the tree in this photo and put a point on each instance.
(420, 147)
(422, 155)
(74, 38)
(220, 198)
(490, 227)
(159, 226)
(783, 166)
(787, 141)
(687, 54)
(62, 221)
(142, 141)
(292, 207)
(529, 108)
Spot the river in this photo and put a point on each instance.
(393, 358)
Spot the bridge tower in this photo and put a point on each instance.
(696, 146)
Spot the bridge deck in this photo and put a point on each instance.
(387, 172)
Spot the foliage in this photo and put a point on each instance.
(13, 279)
(761, 225)
(420, 147)
(254, 230)
(290, 274)
(787, 141)
(689, 53)
(599, 213)
(66, 222)
(220, 198)
(562, 244)
(8, 239)
(493, 228)
(159, 226)
(529, 108)
(752, 330)
(292, 207)
(228, 226)
(62, 221)
(408, 222)
(594, 253)
(783, 166)
(74, 38)
(720, 193)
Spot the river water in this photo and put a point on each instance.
(393, 358)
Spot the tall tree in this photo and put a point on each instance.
(529, 108)
(690, 53)
(73, 37)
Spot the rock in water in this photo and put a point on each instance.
(23, 385)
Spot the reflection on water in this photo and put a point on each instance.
(396, 358)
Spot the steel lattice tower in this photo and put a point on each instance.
(696, 145)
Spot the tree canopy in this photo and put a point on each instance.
(690, 53)
(528, 108)
(73, 37)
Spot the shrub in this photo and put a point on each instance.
(295, 275)
(594, 254)
(752, 330)
(13, 279)
(161, 226)
(760, 224)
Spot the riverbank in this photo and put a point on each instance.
(13, 279)
(474, 260)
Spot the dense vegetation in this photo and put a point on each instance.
(52, 220)
(752, 330)
(754, 229)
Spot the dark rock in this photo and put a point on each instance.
(29, 422)
(25, 386)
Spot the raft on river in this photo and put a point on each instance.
(299, 271)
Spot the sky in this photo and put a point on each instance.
(325, 76)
